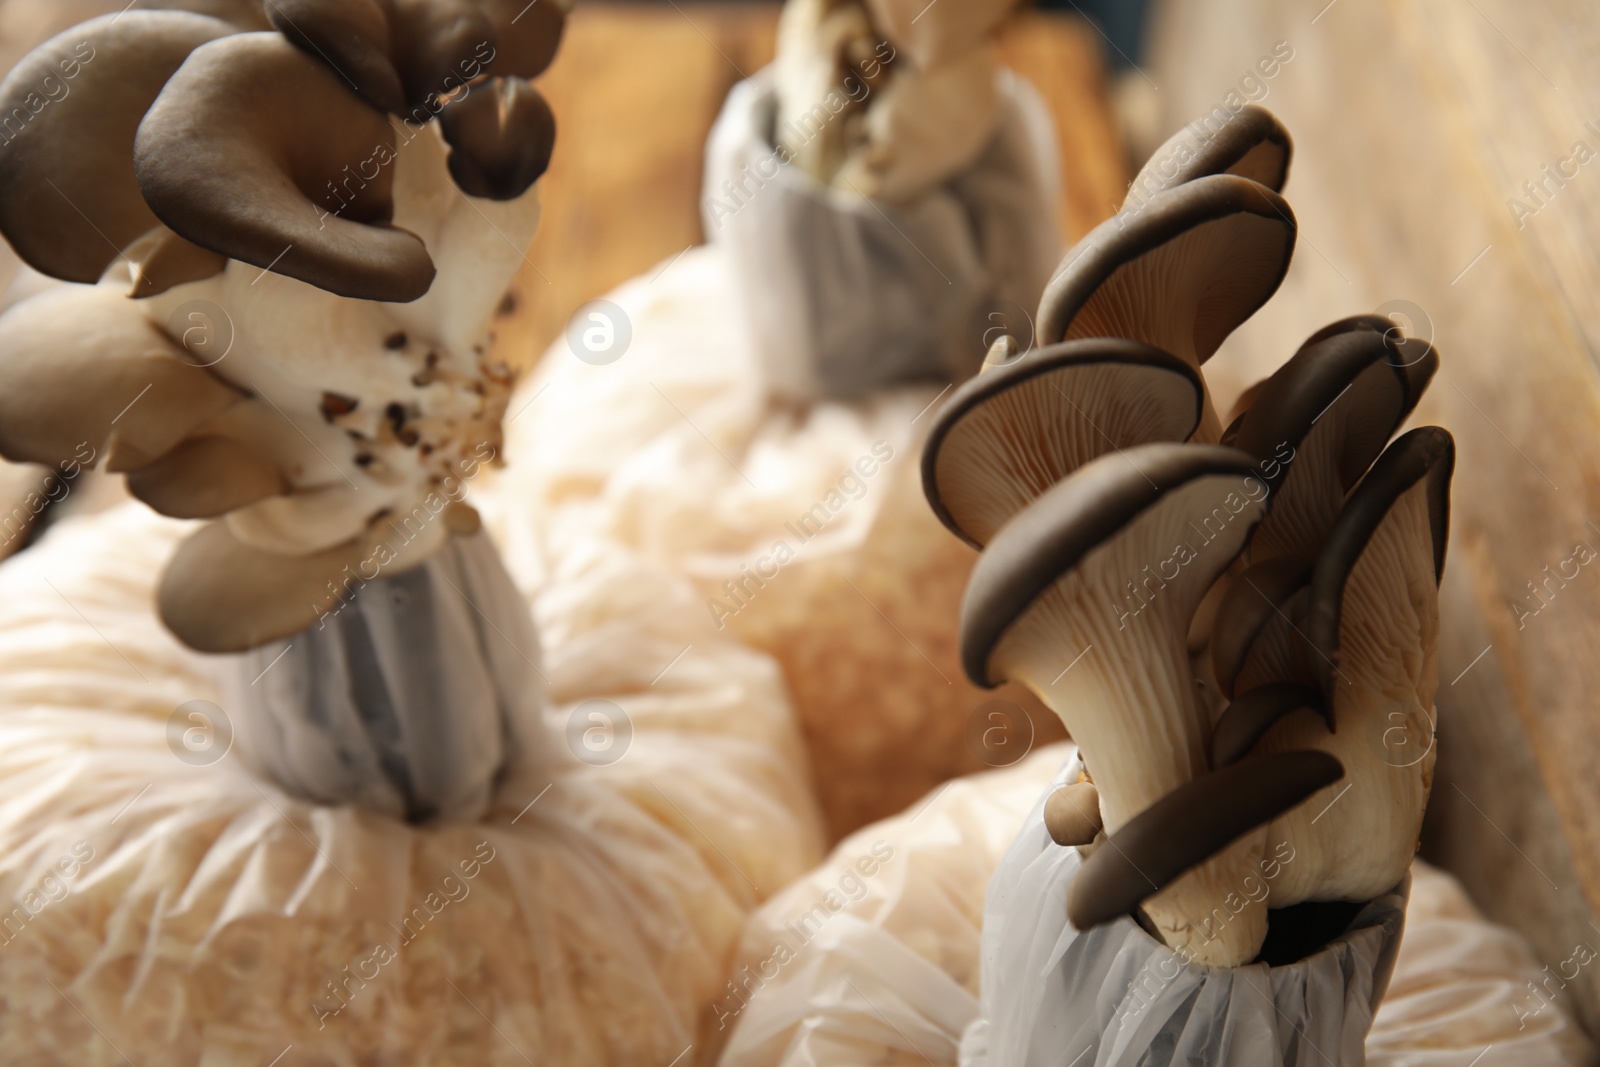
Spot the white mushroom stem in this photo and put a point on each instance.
(1114, 665)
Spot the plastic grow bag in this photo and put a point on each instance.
(169, 903)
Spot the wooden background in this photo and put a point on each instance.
(1416, 123)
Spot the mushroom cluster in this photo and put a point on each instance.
(285, 276)
(876, 99)
(1237, 625)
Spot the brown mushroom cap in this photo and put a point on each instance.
(1250, 143)
(1182, 274)
(352, 37)
(1066, 526)
(206, 477)
(1072, 814)
(1190, 825)
(239, 152)
(1319, 422)
(82, 369)
(439, 46)
(1420, 462)
(243, 15)
(1258, 600)
(1010, 434)
(528, 35)
(219, 595)
(69, 202)
(1247, 719)
(501, 135)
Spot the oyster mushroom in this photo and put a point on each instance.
(1317, 424)
(241, 171)
(501, 136)
(220, 595)
(352, 37)
(1252, 144)
(1181, 275)
(69, 202)
(82, 372)
(242, 15)
(1008, 435)
(1054, 602)
(205, 477)
(1186, 828)
(1372, 631)
(1072, 814)
(527, 34)
(1247, 719)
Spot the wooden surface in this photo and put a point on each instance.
(636, 88)
(1416, 123)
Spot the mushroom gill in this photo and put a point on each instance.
(1182, 274)
(1007, 436)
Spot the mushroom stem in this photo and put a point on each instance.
(1085, 597)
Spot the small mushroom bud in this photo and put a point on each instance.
(1007, 436)
(242, 171)
(161, 260)
(931, 37)
(69, 202)
(1182, 274)
(1072, 814)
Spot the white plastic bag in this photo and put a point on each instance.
(872, 958)
(166, 902)
(892, 977)
(1469, 993)
(1116, 996)
(406, 699)
(837, 294)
